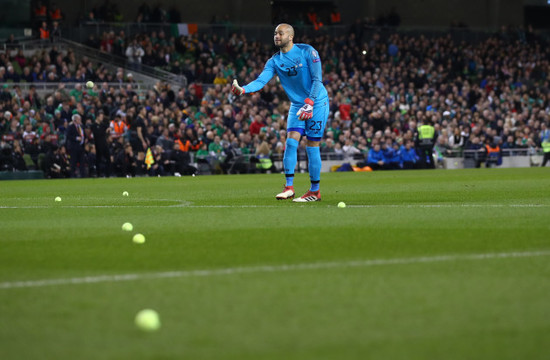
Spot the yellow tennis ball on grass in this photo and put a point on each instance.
(127, 226)
(341, 204)
(147, 320)
(138, 239)
(125, 193)
(57, 199)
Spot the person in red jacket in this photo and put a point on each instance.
(256, 125)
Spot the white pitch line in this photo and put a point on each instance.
(449, 205)
(187, 205)
(136, 206)
(266, 269)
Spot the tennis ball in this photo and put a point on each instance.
(127, 227)
(90, 84)
(57, 199)
(125, 193)
(341, 204)
(147, 320)
(138, 239)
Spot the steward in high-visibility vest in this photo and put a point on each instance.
(425, 144)
(335, 17)
(493, 155)
(187, 145)
(492, 149)
(264, 163)
(184, 145)
(41, 12)
(546, 150)
(314, 20)
(44, 32)
(119, 127)
(426, 134)
(56, 15)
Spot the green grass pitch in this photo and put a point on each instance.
(419, 265)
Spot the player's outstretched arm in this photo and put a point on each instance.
(236, 89)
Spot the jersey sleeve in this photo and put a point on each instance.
(267, 74)
(316, 72)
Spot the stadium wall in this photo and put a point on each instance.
(487, 14)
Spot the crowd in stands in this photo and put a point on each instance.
(495, 92)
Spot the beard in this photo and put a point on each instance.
(282, 44)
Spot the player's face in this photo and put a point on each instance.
(282, 36)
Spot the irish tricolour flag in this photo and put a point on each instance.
(184, 29)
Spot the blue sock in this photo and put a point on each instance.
(289, 160)
(314, 164)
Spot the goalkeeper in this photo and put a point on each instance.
(299, 69)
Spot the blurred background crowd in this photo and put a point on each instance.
(493, 92)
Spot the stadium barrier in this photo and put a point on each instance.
(511, 158)
(47, 88)
(21, 175)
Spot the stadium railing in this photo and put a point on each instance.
(146, 76)
(152, 74)
(45, 88)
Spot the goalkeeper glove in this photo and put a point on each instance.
(236, 89)
(306, 111)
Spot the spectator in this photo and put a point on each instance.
(134, 53)
(11, 42)
(40, 12)
(11, 75)
(385, 98)
(335, 16)
(125, 163)
(256, 125)
(44, 31)
(408, 155)
(56, 163)
(75, 145)
(546, 150)
(55, 31)
(181, 162)
(101, 132)
(55, 13)
(376, 158)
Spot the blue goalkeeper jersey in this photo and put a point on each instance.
(300, 73)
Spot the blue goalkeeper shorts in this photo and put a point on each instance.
(312, 128)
